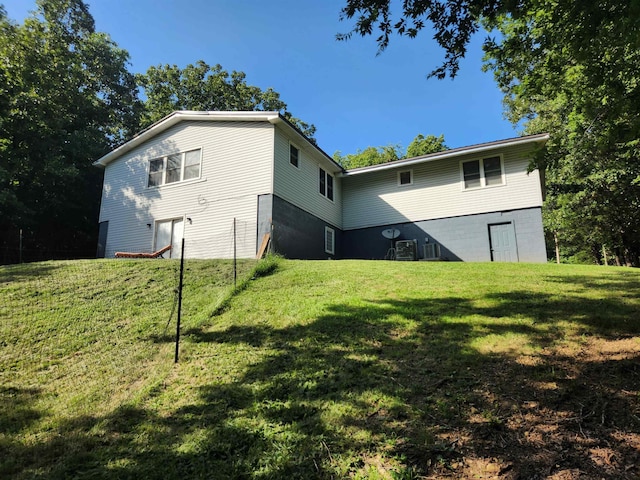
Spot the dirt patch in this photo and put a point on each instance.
(566, 413)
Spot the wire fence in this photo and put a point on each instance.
(121, 298)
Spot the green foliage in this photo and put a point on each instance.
(203, 87)
(67, 98)
(453, 22)
(573, 70)
(369, 156)
(420, 145)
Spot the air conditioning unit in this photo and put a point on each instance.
(406, 249)
(431, 251)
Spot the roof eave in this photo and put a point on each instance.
(293, 129)
(179, 116)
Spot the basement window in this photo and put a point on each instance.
(329, 240)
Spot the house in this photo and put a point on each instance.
(198, 175)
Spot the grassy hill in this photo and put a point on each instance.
(345, 369)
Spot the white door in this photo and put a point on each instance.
(502, 238)
(170, 232)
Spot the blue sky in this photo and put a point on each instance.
(355, 98)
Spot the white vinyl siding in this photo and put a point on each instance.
(236, 167)
(300, 187)
(374, 198)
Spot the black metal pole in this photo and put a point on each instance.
(235, 271)
(20, 251)
(179, 300)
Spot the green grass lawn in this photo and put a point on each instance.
(329, 369)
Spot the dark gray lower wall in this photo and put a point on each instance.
(298, 234)
(464, 238)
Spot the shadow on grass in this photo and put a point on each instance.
(408, 386)
(17, 409)
(27, 271)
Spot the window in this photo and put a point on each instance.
(174, 168)
(492, 171)
(405, 177)
(325, 184)
(471, 171)
(486, 172)
(294, 154)
(329, 240)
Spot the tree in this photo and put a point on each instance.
(67, 98)
(586, 95)
(454, 22)
(369, 156)
(202, 87)
(422, 145)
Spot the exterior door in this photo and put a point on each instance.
(502, 240)
(169, 232)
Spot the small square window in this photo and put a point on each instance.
(294, 155)
(405, 177)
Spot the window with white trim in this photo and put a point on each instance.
(174, 168)
(485, 172)
(329, 240)
(294, 155)
(405, 177)
(325, 183)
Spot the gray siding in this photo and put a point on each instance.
(237, 159)
(299, 186)
(375, 198)
(463, 238)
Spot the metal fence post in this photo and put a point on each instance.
(179, 300)
(235, 271)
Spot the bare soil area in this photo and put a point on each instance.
(564, 414)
